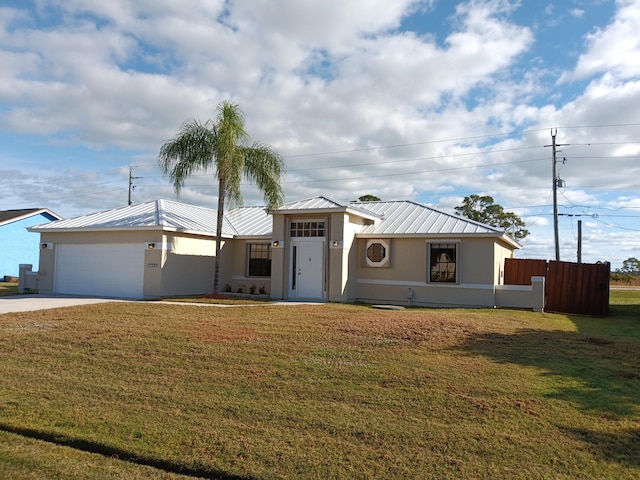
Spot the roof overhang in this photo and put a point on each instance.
(501, 237)
(325, 211)
(254, 237)
(151, 228)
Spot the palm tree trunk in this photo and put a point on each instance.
(219, 223)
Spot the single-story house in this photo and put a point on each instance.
(315, 249)
(18, 246)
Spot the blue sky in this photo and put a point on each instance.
(427, 100)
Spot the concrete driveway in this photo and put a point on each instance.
(28, 303)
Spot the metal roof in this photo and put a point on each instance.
(322, 203)
(410, 218)
(250, 221)
(165, 214)
(389, 218)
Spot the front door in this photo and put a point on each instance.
(307, 275)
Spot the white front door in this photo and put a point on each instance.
(307, 275)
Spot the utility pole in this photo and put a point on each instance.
(131, 185)
(579, 241)
(554, 174)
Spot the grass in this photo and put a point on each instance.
(319, 391)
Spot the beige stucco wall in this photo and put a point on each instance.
(477, 265)
(279, 258)
(47, 257)
(187, 266)
(341, 283)
(343, 258)
(479, 270)
(180, 264)
(238, 268)
(501, 252)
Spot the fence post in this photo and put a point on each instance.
(537, 294)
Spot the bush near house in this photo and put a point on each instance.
(8, 288)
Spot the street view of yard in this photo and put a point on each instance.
(155, 390)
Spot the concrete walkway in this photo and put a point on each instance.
(29, 303)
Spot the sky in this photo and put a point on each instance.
(422, 100)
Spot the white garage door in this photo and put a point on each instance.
(108, 270)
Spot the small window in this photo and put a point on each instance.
(443, 262)
(307, 229)
(259, 264)
(377, 253)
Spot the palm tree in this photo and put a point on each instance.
(221, 145)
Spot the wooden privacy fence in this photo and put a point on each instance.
(570, 287)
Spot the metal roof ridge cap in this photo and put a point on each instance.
(229, 224)
(358, 208)
(340, 203)
(160, 220)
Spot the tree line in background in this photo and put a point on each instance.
(629, 273)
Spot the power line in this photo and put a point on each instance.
(475, 137)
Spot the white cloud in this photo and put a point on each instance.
(614, 49)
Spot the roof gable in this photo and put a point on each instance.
(325, 204)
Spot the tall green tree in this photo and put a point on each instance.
(220, 146)
(631, 265)
(482, 209)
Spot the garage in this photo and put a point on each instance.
(106, 270)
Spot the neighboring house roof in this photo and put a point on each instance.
(10, 216)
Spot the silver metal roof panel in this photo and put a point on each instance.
(164, 214)
(411, 218)
(250, 221)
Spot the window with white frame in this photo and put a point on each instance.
(443, 262)
(377, 253)
(307, 229)
(259, 260)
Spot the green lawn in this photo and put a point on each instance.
(152, 390)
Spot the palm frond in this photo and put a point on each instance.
(192, 150)
(265, 167)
